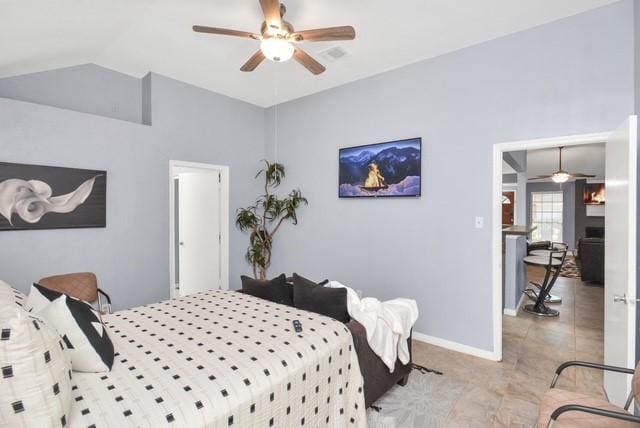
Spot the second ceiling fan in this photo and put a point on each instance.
(278, 39)
(560, 176)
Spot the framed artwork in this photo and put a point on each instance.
(594, 194)
(391, 169)
(50, 197)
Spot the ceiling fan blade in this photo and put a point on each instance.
(253, 62)
(308, 62)
(579, 175)
(224, 32)
(325, 34)
(271, 10)
(540, 177)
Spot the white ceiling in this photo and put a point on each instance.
(137, 36)
(586, 159)
(507, 169)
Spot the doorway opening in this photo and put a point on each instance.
(508, 207)
(548, 206)
(198, 227)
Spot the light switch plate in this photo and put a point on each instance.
(479, 222)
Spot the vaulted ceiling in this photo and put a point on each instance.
(138, 36)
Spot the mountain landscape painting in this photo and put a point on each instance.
(381, 170)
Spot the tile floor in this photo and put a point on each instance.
(506, 394)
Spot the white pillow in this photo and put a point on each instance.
(39, 297)
(10, 294)
(35, 372)
(83, 333)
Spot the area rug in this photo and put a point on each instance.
(425, 401)
(570, 268)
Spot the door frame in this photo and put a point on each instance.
(176, 167)
(496, 214)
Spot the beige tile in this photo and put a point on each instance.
(517, 412)
(515, 326)
(507, 394)
(477, 406)
(589, 349)
(524, 388)
(538, 367)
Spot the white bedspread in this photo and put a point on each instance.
(388, 324)
(223, 359)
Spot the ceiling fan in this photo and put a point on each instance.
(560, 176)
(278, 39)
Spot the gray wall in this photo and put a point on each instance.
(85, 88)
(131, 255)
(568, 77)
(521, 193)
(518, 161)
(509, 178)
(582, 219)
(568, 206)
(537, 83)
(514, 276)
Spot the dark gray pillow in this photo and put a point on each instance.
(275, 290)
(313, 297)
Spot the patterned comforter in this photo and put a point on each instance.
(223, 359)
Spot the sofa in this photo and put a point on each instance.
(591, 259)
(377, 379)
(376, 376)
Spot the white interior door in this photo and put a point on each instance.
(620, 258)
(199, 232)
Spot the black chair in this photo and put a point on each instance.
(552, 260)
(538, 245)
(545, 252)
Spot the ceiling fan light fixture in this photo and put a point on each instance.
(560, 177)
(277, 49)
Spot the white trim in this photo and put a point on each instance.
(514, 312)
(175, 167)
(454, 346)
(632, 225)
(496, 208)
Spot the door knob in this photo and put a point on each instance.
(619, 298)
(181, 243)
(624, 298)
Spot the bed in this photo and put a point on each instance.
(223, 359)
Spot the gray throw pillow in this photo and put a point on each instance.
(313, 297)
(275, 290)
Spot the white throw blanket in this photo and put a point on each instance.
(388, 324)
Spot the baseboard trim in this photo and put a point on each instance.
(510, 312)
(454, 346)
(514, 312)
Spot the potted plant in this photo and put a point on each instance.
(263, 219)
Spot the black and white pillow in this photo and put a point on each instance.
(40, 297)
(35, 372)
(81, 329)
(11, 295)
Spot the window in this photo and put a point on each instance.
(546, 216)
